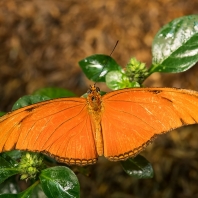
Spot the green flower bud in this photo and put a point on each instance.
(136, 71)
(24, 176)
(30, 165)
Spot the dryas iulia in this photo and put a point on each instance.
(117, 125)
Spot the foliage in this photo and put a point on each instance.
(174, 50)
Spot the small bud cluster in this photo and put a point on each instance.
(136, 71)
(30, 165)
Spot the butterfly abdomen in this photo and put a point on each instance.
(95, 109)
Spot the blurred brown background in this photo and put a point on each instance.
(41, 42)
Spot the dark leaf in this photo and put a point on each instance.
(54, 92)
(8, 167)
(138, 167)
(28, 100)
(2, 113)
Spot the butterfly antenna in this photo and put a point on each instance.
(114, 47)
(110, 55)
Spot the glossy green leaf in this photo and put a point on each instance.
(8, 156)
(25, 194)
(175, 46)
(28, 100)
(138, 167)
(54, 92)
(14, 154)
(118, 80)
(59, 181)
(8, 167)
(97, 66)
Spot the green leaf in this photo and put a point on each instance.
(8, 157)
(2, 113)
(8, 167)
(54, 92)
(175, 46)
(59, 181)
(28, 100)
(25, 194)
(138, 167)
(14, 154)
(118, 80)
(97, 66)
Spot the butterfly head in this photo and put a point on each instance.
(94, 97)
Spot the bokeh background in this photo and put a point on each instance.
(41, 42)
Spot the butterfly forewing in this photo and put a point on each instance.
(61, 128)
(133, 117)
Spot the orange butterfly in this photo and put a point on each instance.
(117, 125)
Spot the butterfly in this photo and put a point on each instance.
(118, 125)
